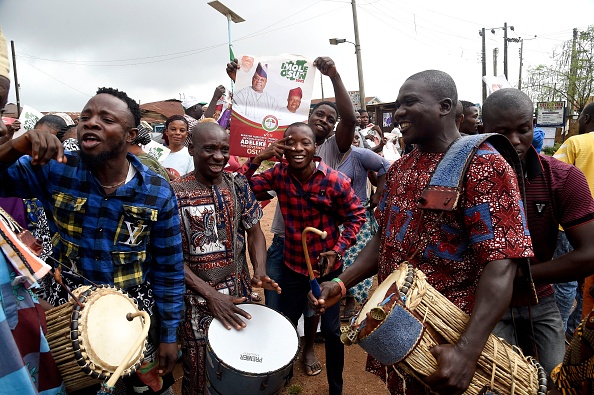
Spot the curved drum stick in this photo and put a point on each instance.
(313, 283)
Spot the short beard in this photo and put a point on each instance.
(94, 161)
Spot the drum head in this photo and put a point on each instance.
(378, 296)
(107, 333)
(268, 342)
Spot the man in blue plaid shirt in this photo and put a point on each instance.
(113, 220)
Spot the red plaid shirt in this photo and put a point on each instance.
(329, 191)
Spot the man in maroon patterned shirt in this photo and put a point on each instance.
(310, 193)
(469, 254)
(556, 194)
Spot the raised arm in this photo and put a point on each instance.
(345, 131)
(212, 106)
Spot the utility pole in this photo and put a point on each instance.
(358, 52)
(16, 80)
(322, 84)
(484, 62)
(505, 50)
(495, 52)
(572, 88)
(521, 63)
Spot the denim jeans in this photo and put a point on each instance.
(567, 293)
(549, 335)
(293, 301)
(275, 261)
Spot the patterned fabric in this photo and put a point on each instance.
(122, 239)
(575, 375)
(26, 364)
(326, 188)
(361, 291)
(37, 224)
(451, 247)
(71, 144)
(454, 246)
(208, 215)
(551, 190)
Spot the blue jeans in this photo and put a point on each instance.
(275, 261)
(567, 293)
(294, 300)
(549, 335)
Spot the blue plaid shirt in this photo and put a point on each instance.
(122, 239)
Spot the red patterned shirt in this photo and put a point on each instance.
(453, 247)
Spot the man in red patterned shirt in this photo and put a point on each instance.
(310, 193)
(469, 255)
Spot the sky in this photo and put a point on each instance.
(157, 50)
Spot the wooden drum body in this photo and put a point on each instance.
(89, 343)
(405, 317)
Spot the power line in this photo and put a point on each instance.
(182, 54)
(54, 78)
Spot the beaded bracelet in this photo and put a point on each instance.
(342, 287)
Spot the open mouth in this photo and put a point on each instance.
(90, 141)
(404, 125)
(216, 168)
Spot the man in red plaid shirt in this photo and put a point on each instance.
(312, 194)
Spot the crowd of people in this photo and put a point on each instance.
(176, 234)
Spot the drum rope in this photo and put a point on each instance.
(494, 365)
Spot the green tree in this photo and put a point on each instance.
(569, 76)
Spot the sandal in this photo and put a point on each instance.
(313, 369)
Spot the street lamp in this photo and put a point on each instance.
(231, 17)
(336, 41)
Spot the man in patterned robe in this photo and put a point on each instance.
(469, 255)
(217, 210)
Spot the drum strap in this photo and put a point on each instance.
(446, 187)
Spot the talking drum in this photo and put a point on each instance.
(89, 343)
(405, 317)
(255, 360)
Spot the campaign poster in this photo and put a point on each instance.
(29, 117)
(270, 94)
(387, 120)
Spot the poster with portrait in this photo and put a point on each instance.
(270, 94)
(387, 120)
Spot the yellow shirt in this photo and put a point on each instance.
(579, 151)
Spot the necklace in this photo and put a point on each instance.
(119, 183)
(114, 185)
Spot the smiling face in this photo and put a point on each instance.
(210, 149)
(293, 103)
(258, 83)
(303, 146)
(322, 121)
(418, 112)
(105, 129)
(177, 132)
(516, 123)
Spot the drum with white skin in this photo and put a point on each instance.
(255, 360)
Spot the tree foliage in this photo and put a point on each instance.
(559, 80)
